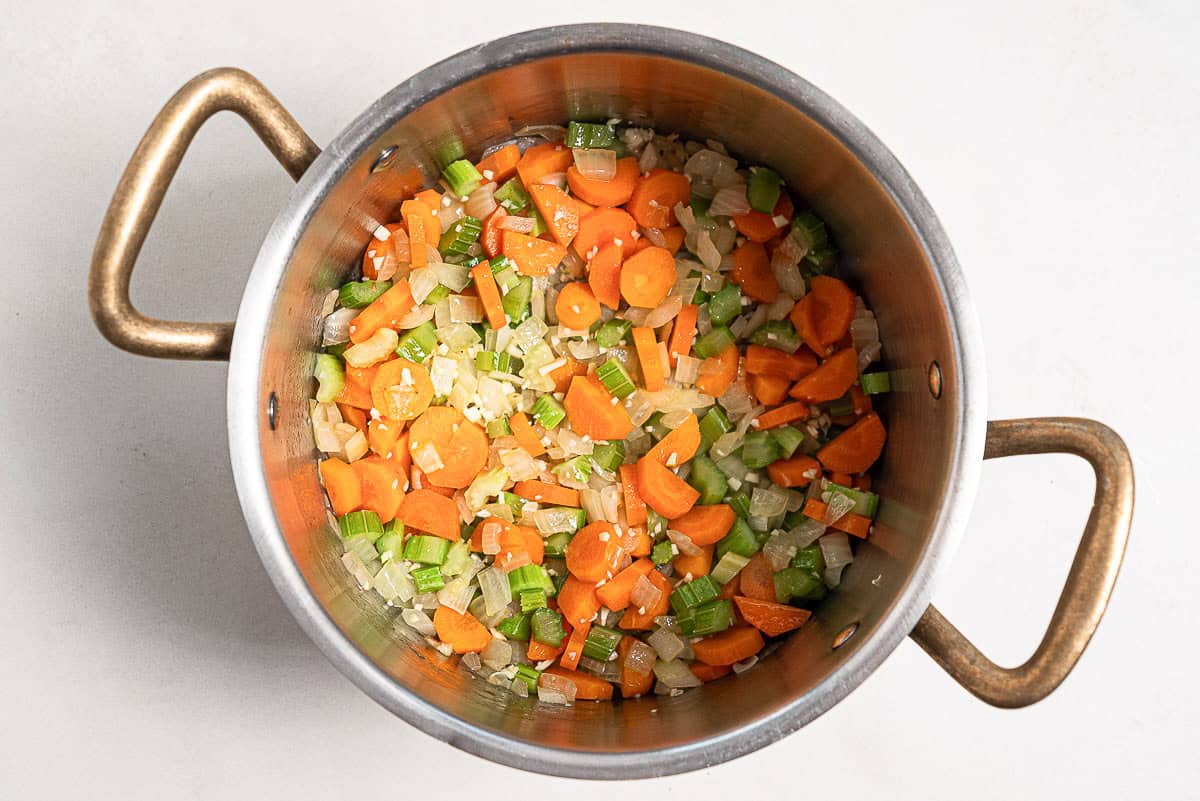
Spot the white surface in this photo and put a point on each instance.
(145, 653)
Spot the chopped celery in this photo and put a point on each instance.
(610, 333)
(778, 334)
(498, 428)
(548, 412)
(577, 469)
(793, 583)
(539, 223)
(728, 566)
(865, 503)
(512, 196)
(662, 552)
(764, 189)
(788, 438)
(811, 229)
(429, 578)
(725, 304)
(357, 294)
(840, 407)
(608, 455)
(875, 383)
(459, 237)
(739, 540)
(810, 559)
(820, 261)
(712, 425)
(437, 295)
(615, 379)
(556, 544)
(530, 577)
(488, 361)
(759, 449)
(514, 502)
(516, 300)
(546, 627)
(654, 426)
(708, 479)
(656, 524)
(462, 177)
(529, 676)
(331, 377)
(426, 549)
(740, 503)
(706, 619)
(695, 592)
(515, 627)
(391, 545)
(532, 599)
(714, 342)
(365, 523)
(458, 558)
(590, 134)
(418, 344)
(700, 205)
(601, 642)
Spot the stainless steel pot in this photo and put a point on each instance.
(895, 251)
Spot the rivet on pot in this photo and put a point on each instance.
(844, 636)
(384, 158)
(935, 379)
(272, 410)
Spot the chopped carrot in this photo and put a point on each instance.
(562, 375)
(855, 525)
(539, 651)
(431, 198)
(382, 434)
(762, 360)
(401, 390)
(587, 686)
(577, 601)
(674, 237)
(615, 593)
(831, 306)
(426, 510)
(732, 587)
(576, 306)
(635, 508)
(342, 485)
(707, 673)
(636, 619)
(423, 229)
(647, 276)
(572, 651)
(704, 525)
(461, 445)
(845, 479)
(603, 226)
(653, 200)
(770, 617)
(781, 415)
(594, 412)
(382, 492)
(462, 632)
(638, 541)
(492, 235)
(532, 256)
(729, 646)
(385, 312)
(633, 683)
(594, 551)
(489, 295)
(665, 492)
(380, 256)
(354, 416)
(357, 390)
(831, 380)
(679, 445)
(560, 211)
(798, 471)
(648, 358)
(718, 372)
(758, 579)
(527, 436)
(421, 481)
(803, 320)
(614, 192)
(552, 494)
(860, 399)
(815, 508)
(499, 165)
(758, 226)
(752, 272)
(604, 274)
(541, 160)
(768, 390)
(684, 333)
(695, 565)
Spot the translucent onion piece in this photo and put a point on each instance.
(645, 595)
(357, 569)
(648, 159)
(665, 312)
(512, 222)
(737, 400)
(868, 354)
(490, 539)
(329, 302)
(497, 654)
(419, 621)
(500, 510)
(583, 349)
(452, 276)
(748, 419)
(589, 499)
(597, 163)
(336, 328)
(674, 398)
(726, 444)
(610, 503)
(465, 309)
(456, 595)
(675, 674)
(686, 217)
(481, 202)
(684, 543)
(654, 235)
(835, 548)
(472, 662)
(780, 547)
(427, 458)
(521, 466)
(781, 307)
(729, 201)
(421, 282)
(741, 667)
(554, 520)
(733, 467)
(707, 251)
(639, 407)
(687, 369)
(558, 179)
(796, 499)
(485, 485)
(636, 138)
(609, 671)
(414, 317)
(807, 532)
(573, 444)
(707, 164)
(836, 508)
(640, 658)
(685, 288)
(768, 502)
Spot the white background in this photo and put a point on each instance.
(145, 654)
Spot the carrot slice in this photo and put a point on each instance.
(401, 389)
(572, 651)
(679, 445)
(384, 312)
(758, 579)
(423, 228)
(499, 165)
(665, 492)
(532, 256)
(560, 211)
(380, 256)
(752, 272)
(527, 436)
(562, 375)
(648, 358)
(856, 448)
(674, 236)
(635, 619)
(696, 565)
(769, 617)
(647, 277)
(576, 306)
(684, 333)
(462, 632)
(653, 200)
(635, 508)
(705, 525)
(538, 651)
(729, 646)
(830, 306)
(552, 494)
(613, 192)
(353, 415)
(587, 686)
(781, 415)
(357, 390)
(718, 372)
(577, 601)
(769, 390)
(615, 594)
(855, 525)
(831, 380)
(593, 553)
(382, 435)
(382, 492)
(796, 472)
(762, 360)
(489, 295)
(460, 444)
(492, 236)
(637, 541)
(425, 510)
(604, 274)
(759, 227)
(594, 412)
(342, 485)
(633, 683)
(707, 673)
(541, 160)
(602, 226)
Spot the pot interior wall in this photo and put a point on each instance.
(881, 256)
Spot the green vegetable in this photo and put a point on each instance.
(709, 618)
(725, 304)
(515, 627)
(426, 549)
(590, 134)
(364, 523)
(488, 361)
(788, 438)
(611, 332)
(759, 449)
(418, 344)
(608, 455)
(700, 205)
(546, 627)
(811, 229)
(820, 261)
(764, 189)
(548, 412)
(532, 599)
(331, 377)
(840, 407)
(437, 295)
(528, 675)
(778, 334)
(556, 544)
(797, 583)
(712, 425)
(428, 579)
(740, 503)
(654, 426)
(714, 342)
(514, 502)
(391, 545)
(728, 566)
(695, 592)
(865, 503)
(656, 524)
(516, 301)
(539, 223)
(498, 428)
(708, 479)
(740, 540)
(601, 642)
(577, 469)
(662, 552)
(459, 237)
(458, 559)
(875, 383)
(530, 577)
(615, 379)
(462, 177)
(810, 559)
(357, 294)
(512, 196)
(577, 520)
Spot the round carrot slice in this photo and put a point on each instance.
(601, 226)
(592, 554)
(647, 277)
(576, 306)
(604, 275)
(401, 389)
(614, 192)
(461, 445)
(653, 201)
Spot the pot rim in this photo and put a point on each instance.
(246, 409)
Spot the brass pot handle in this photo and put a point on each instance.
(139, 195)
(1088, 586)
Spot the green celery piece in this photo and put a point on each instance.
(418, 344)
(708, 479)
(359, 294)
(331, 377)
(740, 540)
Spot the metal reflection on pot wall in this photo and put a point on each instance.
(895, 251)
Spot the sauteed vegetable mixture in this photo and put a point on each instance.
(597, 415)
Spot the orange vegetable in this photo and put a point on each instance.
(492, 235)
(647, 276)
(665, 492)
(382, 490)
(461, 445)
(815, 508)
(635, 619)
(593, 553)
(489, 295)
(423, 229)
(426, 510)
(718, 372)
(515, 540)
(587, 686)
(499, 165)
(682, 442)
(577, 601)
(342, 485)
(462, 632)
(604, 274)
(729, 646)
(573, 650)
(704, 525)
(768, 389)
(562, 375)
(762, 360)
(758, 579)
(431, 198)
(637, 541)
(353, 415)
(855, 525)
(532, 256)
(527, 436)
(782, 415)
(547, 494)
(594, 412)
(831, 380)
(421, 481)
(560, 211)
(695, 566)
(380, 256)
(401, 390)
(653, 200)
(648, 358)
(576, 306)
(769, 617)
(796, 472)
(382, 434)
(615, 593)
(707, 673)
(542, 160)
(357, 390)
(614, 192)
(602, 226)
(674, 236)
(830, 304)
(538, 651)
(384, 312)
(684, 333)
(759, 227)
(752, 272)
(633, 683)
(635, 508)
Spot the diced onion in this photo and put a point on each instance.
(481, 202)
(837, 507)
(610, 502)
(452, 276)
(687, 369)
(807, 532)
(779, 548)
(741, 667)
(336, 328)
(417, 315)
(645, 595)
(521, 466)
(558, 179)
(707, 251)
(421, 282)
(768, 502)
(597, 163)
(490, 538)
(456, 595)
(675, 674)
(729, 201)
(554, 520)
(640, 658)
(419, 621)
(639, 407)
(465, 309)
(556, 689)
(583, 349)
(427, 458)
(589, 499)
(835, 549)
(665, 312)
(684, 543)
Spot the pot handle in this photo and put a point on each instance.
(1088, 586)
(140, 193)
